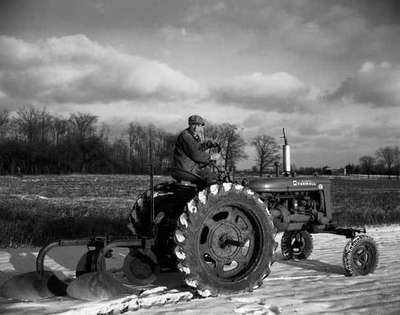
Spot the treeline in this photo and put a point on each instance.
(386, 161)
(33, 141)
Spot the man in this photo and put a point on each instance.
(190, 153)
(190, 156)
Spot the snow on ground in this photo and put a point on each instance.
(314, 286)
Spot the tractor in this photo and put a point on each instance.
(222, 236)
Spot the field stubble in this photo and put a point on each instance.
(37, 209)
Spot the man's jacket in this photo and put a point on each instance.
(189, 154)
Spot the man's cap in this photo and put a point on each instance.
(196, 120)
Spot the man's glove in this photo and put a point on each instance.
(215, 156)
(210, 144)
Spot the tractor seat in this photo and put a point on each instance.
(184, 177)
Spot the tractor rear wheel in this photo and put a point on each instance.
(360, 256)
(296, 245)
(225, 240)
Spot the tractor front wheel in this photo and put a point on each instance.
(296, 245)
(360, 256)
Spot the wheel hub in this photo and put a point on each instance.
(227, 242)
(361, 257)
(220, 241)
(298, 243)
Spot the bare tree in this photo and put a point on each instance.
(27, 122)
(367, 164)
(60, 129)
(84, 137)
(267, 151)
(120, 153)
(34, 125)
(104, 131)
(4, 122)
(83, 124)
(397, 160)
(388, 155)
(138, 144)
(163, 144)
(45, 126)
(232, 143)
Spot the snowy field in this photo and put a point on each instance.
(313, 286)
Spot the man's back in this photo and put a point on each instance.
(188, 153)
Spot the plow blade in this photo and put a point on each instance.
(92, 281)
(95, 286)
(39, 284)
(33, 286)
(141, 267)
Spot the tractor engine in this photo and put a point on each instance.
(296, 207)
(295, 202)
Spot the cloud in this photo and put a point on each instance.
(77, 69)
(312, 36)
(280, 92)
(377, 85)
(388, 133)
(172, 33)
(311, 27)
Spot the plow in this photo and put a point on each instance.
(219, 236)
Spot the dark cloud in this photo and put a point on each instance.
(253, 121)
(385, 133)
(373, 12)
(340, 30)
(332, 144)
(375, 84)
(308, 130)
(310, 30)
(80, 15)
(381, 12)
(83, 16)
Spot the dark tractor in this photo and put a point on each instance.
(221, 236)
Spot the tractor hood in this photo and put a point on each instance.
(279, 184)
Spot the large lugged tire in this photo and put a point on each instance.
(296, 245)
(360, 256)
(225, 240)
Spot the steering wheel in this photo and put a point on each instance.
(223, 175)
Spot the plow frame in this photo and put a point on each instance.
(102, 246)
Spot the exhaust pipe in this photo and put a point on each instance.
(286, 155)
(277, 170)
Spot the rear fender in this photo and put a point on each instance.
(169, 198)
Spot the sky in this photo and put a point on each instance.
(328, 71)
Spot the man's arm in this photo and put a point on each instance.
(192, 149)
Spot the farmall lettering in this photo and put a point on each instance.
(299, 182)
